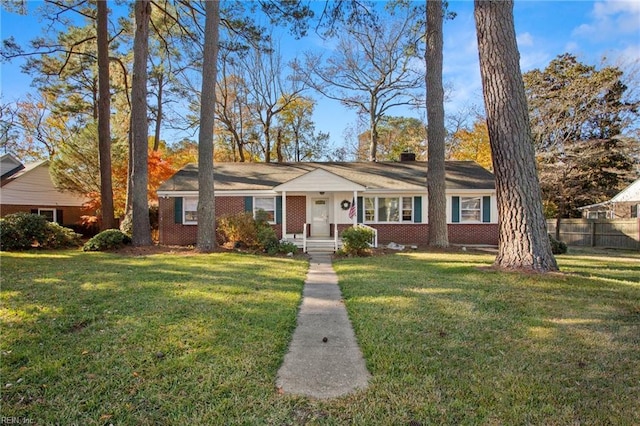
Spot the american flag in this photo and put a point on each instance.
(352, 209)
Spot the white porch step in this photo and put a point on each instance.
(317, 245)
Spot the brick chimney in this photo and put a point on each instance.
(407, 156)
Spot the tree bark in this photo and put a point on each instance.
(141, 231)
(206, 202)
(438, 233)
(523, 239)
(104, 117)
(156, 135)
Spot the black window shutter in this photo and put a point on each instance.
(455, 209)
(360, 210)
(279, 209)
(59, 218)
(417, 209)
(34, 211)
(486, 209)
(177, 209)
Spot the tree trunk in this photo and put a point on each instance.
(104, 117)
(373, 130)
(438, 233)
(279, 146)
(141, 228)
(156, 136)
(523, 239)
(206, 201)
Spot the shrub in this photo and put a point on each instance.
(557, 247)
(287, 247)
(9, 236)
(356, 240)
(107, 240)
(60, 237)
(237, 229)
(22, 231)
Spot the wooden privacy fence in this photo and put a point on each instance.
(616, 233)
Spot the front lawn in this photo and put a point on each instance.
(94, 338)
(98, 339)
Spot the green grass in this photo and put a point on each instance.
(450, 342)
(95, 338)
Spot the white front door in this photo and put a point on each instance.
(320, 217)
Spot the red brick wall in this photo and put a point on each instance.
(419, 233)
(70, 215)
(477, 233)
(409, 233)
(296, 213)
(171, 233)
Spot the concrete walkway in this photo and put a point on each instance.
(315, 366)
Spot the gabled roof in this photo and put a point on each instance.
(9, 165)
(396, 176)
(319, 180)
(630, 193)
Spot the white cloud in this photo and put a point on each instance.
(610, 19)
(525, 39)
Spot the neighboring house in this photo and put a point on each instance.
(624, 205)
(29, 188)
(320, 200)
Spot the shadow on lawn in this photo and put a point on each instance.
(87, 326)
(498, 347)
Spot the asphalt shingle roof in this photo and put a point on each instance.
(409, 175)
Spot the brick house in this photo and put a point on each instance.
(315, 202)
(28, 188)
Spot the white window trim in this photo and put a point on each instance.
(184, 211)
(48, 209)
(275, 208)
(376, 207)
(479, 210)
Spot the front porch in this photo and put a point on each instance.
(331, 244)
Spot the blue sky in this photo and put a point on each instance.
(591, 30)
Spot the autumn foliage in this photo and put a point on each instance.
(160, 169)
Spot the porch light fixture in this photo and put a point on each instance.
(321, 192)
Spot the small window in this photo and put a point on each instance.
(369, 209)
(407, 209)
(470, 209)
(268, 204)
(49, 214)
(190, 208)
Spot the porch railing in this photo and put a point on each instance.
(304, 239)
(374, 240)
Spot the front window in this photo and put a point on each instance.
(407, 209)
(190, 210)
(369, 209)
(49, 214)
(268, 204)
(470, 209)
(388, 209)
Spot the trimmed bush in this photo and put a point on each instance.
(22, 231)
(237, 230)
(356, 241)
(557, 247)
(61, 237)
(109, 239)
(287, 247)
